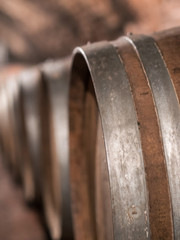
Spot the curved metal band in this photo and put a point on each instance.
(29, 82)
(122, 141)
(169, 115)
(4, 128)
(57, 77)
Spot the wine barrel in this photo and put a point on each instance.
(124, 138)
(9, 92)
(44, 143)
(55, 148)
(18, 132)
(4, 127)
(10, 89)
(29, 82)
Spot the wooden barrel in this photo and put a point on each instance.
(125, 138)
(4, 127)
(43, 117)
(18, 132)
(29, 82)
(10, 91)
(55, 148)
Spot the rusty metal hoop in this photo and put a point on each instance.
(122, 140)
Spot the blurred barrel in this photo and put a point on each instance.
(32, 118)
(124, 138)
(4, 127)
(29, 82)
(43, 135)
(9, 90)
(55, 148)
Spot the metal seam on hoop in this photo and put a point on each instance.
(169, 114)
(123, 148)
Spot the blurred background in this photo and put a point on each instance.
(36, 30)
